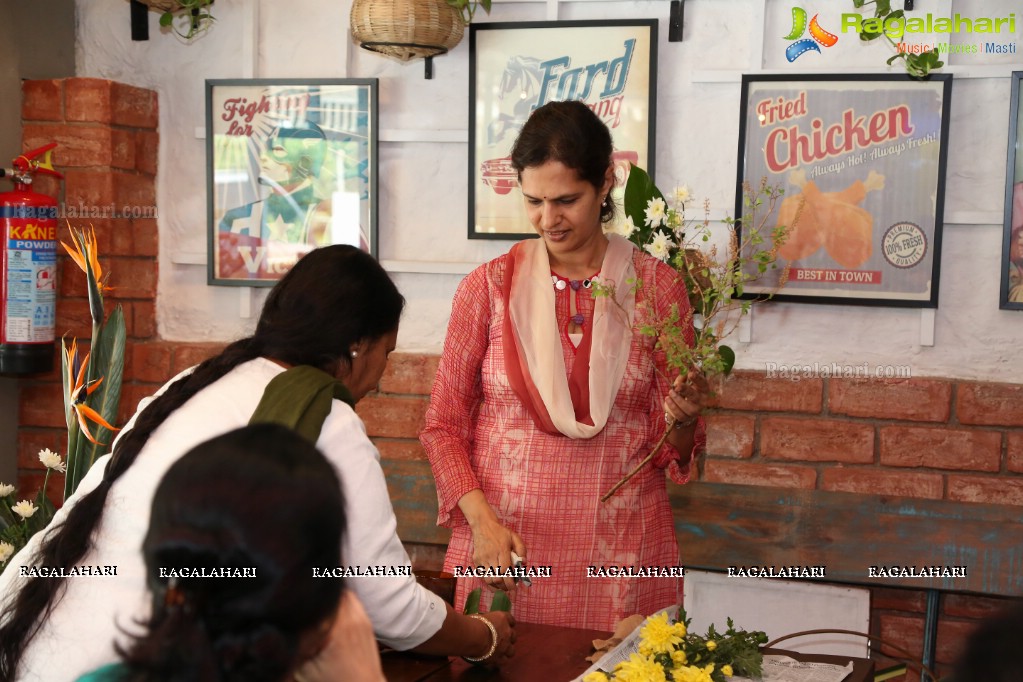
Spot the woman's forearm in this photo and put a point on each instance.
(476, 509)
(458, 636)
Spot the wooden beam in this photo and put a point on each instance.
(720, 525)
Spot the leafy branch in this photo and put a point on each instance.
(716, 283)
(917, 65)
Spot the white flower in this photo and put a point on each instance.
(683, 194)
(24, 509)
(6, 489)
(628, 228)
(51, 460)
(660, 246)
(6, 551)
(655, 212)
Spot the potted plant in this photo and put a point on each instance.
(187, 18)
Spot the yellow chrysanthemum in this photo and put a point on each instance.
(678, 657)
(640, 669)
(711, 645)
(659, 635)
(679, 628)
(726, 670)
(692, 674)
(596, 677)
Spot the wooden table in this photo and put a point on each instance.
(557, 653)
(549, 653)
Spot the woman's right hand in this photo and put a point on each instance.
(493, 543)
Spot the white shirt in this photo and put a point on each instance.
(79, 634)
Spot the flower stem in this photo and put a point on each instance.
(639, 467)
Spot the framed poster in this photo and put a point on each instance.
(517, 67)
(1012, 244)
(290, 165)
(864, 157)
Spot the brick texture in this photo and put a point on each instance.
(88, 99)
(400, 449)
(907, 446)
(995, 404)
(750, 473)
(409, 374)
(751, 391)
(907, 399)
(988, 489)
(392, 417)
(879, 482)
(1014, 459)
(816, 440)
(42, 100)
(730, 435)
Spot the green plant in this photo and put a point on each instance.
(467, 8)
(716, 282)
(92, 385)
(19, 521)
(917, 65)
(189, 19)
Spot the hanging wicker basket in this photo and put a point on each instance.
(162, 6)
(406, 29)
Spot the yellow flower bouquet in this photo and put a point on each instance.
(670, 652)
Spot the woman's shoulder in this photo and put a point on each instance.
(488, 275)
(648, 267)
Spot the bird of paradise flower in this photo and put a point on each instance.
(92, 384)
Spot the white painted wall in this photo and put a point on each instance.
(423, 184)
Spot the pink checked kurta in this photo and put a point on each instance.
(546, 487)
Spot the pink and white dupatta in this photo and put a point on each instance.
(577, 406)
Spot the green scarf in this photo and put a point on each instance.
(300, 398)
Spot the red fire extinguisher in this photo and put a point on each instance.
(28, 267)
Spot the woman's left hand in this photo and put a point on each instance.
(687, 397)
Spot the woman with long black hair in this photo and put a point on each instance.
(336, 312)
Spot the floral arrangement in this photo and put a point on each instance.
(715, 281)
(669, 652)
(21, 520)
(92, 391)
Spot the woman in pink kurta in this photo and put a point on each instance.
(526, 338)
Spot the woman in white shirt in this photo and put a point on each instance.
(335, 310)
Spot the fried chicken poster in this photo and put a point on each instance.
(862, 163)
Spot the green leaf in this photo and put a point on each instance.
(472, 602)
(639, 189)
(500, 602)
(727, 358)
(883, 7)
(166, 19)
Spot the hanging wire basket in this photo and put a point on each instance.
(406, 29)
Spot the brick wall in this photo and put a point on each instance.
(107, 149)
(932, 438)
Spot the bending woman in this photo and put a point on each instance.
(546, 396)
(336, 311)
(231, 505)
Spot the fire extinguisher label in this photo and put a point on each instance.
(31, 286)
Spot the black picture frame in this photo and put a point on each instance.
(504, 56)
(866, 154)
(1011, 290)
(291, 165)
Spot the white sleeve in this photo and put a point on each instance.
(403, 613)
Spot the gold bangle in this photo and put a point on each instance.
(493, 644)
